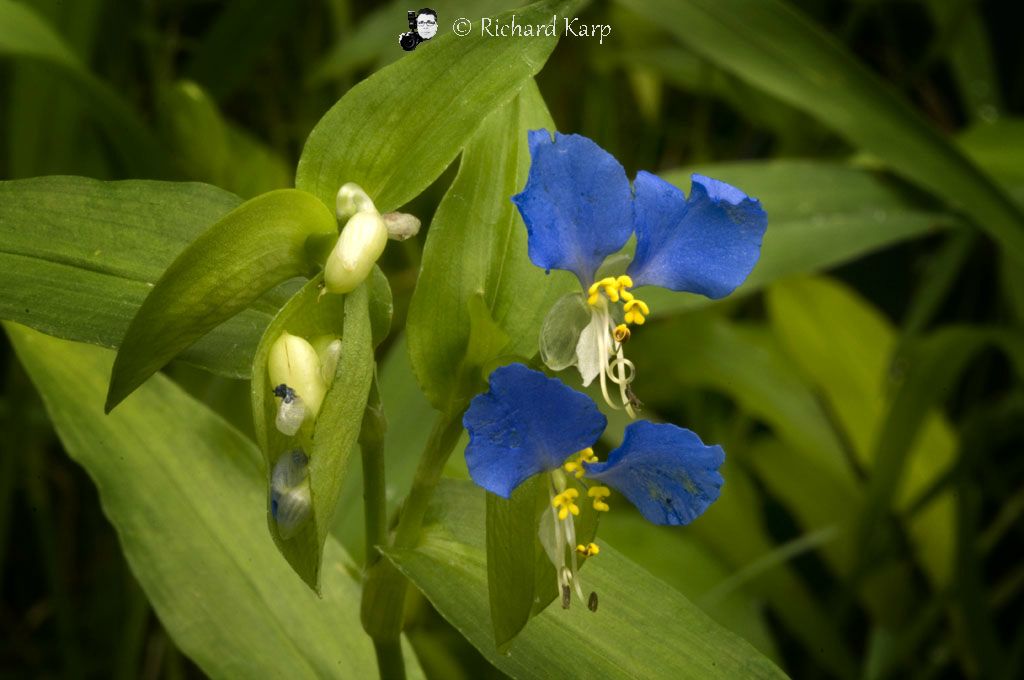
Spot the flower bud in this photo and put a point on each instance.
(294, 362)
(361, 242)
(328, 348)
(352, 199)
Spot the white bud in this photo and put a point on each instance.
(290, 502)
(328, 348)
(294, 362)
(401, 226)
(361, 242)
(352, 199)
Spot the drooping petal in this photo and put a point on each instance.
(590, 353)
(667, 472)
(708, 244)
(526, 423)
(577, 204)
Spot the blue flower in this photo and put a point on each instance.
(579, 209)
(527, 424)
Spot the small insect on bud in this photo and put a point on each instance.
(352, 199)
(294, 364)
(361, 242)
(592, 602)
(292, 411)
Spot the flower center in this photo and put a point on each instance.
(558, 528)
(613, 364)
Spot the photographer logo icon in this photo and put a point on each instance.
(422, 26)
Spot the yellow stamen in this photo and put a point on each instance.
(565, 504)
(574, 465)
(636, 311)
(599, 493)
(588, 550)
(621, 333)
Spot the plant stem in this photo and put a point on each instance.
(371, 445)
(389, 659)
(388, 647)
(385, 587)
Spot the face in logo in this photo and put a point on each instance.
(426, 24)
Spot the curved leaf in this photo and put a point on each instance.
(476, 250)
(642, 628)
(820, 214)
(78, 257)
(774, 47)
(185, 492)
(26, 35)
(337, 427)
(253, 248)
(396, 131)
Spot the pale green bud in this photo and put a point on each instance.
(294, 362)
(361, 242)
(352, 199)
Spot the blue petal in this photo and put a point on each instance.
(665, 471)
(707, 244)
(525, 424)
(577, 204)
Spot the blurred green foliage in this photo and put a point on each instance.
(867, 385)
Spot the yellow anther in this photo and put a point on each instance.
(565, 504)
(574, 465)
(588, 550)
(636, 311)
(624, 282)
(626, 296)
(637, 304)
(621, 333)
(599, 493)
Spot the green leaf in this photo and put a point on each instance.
(78, 257)
(396, 131)
(820, 214)
(511, 556)
(187, 495)
(642, 628)
(476, 248)
(774, 47)
(818, 321)
(210, 149)
(25, 35)
(372, 42)
(249, 251)
(337, 426)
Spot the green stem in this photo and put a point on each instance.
(371, 445)
(389, 659)
(439, 447)
(385, 587)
